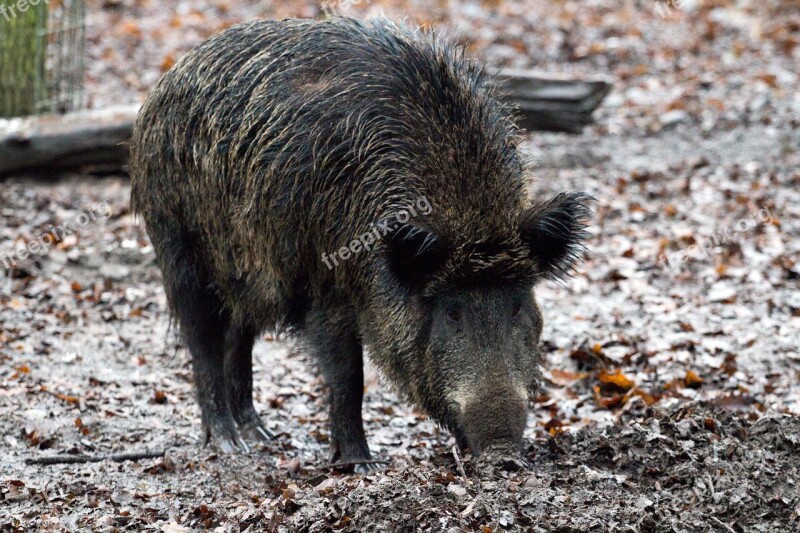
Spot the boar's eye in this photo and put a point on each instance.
(517, 307)
(453, 315)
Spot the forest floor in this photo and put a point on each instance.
(672, 359)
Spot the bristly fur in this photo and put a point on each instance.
(555, 231)
(276, 142)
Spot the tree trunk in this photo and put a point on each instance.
(23, 48)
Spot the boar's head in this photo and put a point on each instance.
(461, 326)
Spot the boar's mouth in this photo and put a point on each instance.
(492, 426)
(500, 453)
(505, 458)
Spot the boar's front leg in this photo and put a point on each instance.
(239, 381)
(204, 324)
(333, 339)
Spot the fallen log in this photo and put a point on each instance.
(52, 143)
(547, 102)
(98, 139)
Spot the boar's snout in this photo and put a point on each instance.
(495, 419)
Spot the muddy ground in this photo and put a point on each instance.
(672, 375)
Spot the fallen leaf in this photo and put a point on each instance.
(565, 377)
(693, 381)
(615, 379)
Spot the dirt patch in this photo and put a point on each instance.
(680, 469)
(686, 469)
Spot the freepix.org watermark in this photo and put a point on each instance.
(331, 7)
(54, 235)
(365, 241)
(664, 7)
(702, 250)
(21, 6)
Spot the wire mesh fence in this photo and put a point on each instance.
(42, 44)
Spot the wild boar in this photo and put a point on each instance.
(264, 159)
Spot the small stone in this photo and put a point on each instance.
(643, 503)
(456, 489)
(676, 116)
(115, 272)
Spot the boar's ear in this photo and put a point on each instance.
(415, 253)
(554, 231)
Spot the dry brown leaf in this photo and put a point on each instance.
(129, 29)
(565, 377)
(692, 379)
(168, 62)
(616, 379)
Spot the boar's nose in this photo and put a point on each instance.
(500, 457)
(495, 418)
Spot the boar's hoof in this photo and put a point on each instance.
(254, 430)
(358, 462)
(366, 468)
(358, 467)
(227, 442)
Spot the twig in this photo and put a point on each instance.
(469, 508)
(459, 464)
(74, 400)
(723, 524)
(70, 459)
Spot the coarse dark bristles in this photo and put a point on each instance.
(267, 150)
(274, 142)
(555, 231)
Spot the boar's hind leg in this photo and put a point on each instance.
(239, 381)
(338, 350)
(203, 323)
